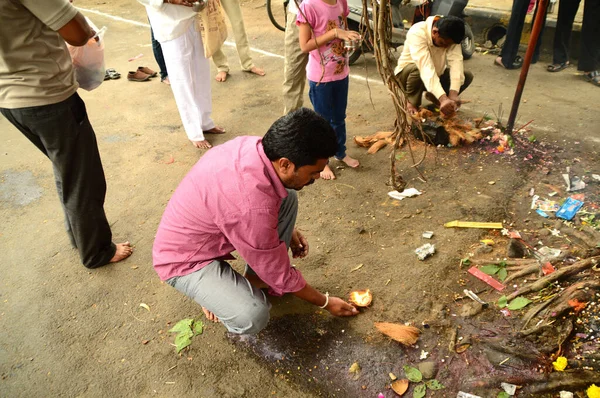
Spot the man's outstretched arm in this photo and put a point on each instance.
(335, 305)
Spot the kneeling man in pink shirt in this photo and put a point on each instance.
(242, 196)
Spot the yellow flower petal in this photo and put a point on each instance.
(593, 391)
(561, 364)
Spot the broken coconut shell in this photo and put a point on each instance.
(361, 298)
(407, 335)
(400, 386)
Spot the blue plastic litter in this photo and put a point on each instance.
(542, 213)
(569, 209)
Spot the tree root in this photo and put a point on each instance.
(530, 269)
(562, 273)
(560, 302)
(524, 262)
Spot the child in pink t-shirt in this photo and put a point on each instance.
(329, 84)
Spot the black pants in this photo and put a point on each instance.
(514, 30)
(413, 86)
(64, 134)
(589, 55)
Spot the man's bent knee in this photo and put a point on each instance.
(253, 320)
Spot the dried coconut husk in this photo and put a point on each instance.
(400, 386)
(407, 335)
(377, 146)
(361, 298)
(362, 142)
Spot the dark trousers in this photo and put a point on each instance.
(158, 55)
(330, 100)
(589, 56)
(514, 30)
(413, 86)
(64, 134)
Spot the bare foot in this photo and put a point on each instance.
(166, 81)
(215, 130)
(124, 250)
(221, 76)
(412, 110)
(204, 144)
(256, 71)
(209, 315)
(327, 173)
(351, 162)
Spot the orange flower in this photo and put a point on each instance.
(577, 305)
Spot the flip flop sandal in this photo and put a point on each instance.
(111, 74)
(517, 63)
(558, 67)
(593, 77)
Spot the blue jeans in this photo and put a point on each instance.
(158, 55)
(330, 101)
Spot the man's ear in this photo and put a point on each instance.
(285, 166)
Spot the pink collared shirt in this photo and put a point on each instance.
(228, 201)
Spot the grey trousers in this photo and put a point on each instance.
(241, 307)
(64, 134)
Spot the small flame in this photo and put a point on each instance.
(361, 298)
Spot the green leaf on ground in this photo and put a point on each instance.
(502, 263)
(182, 326)
(465, 261)
(502, 274)
(413, 374)
(420, 391)
(502, 302)
(434, 385)
(490, 269)
(518, 303)
(532, 138)
(183, 340)
(503, 394)
(198, 328)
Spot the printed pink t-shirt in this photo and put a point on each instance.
(324, 17)
(228, 201)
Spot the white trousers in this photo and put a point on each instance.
(189, 73)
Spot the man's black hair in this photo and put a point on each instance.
(452, 28)
(302, 136)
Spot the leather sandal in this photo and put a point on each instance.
(147, 71)
(593, 77)
(516, 64)
(137, 76)
(557, 67)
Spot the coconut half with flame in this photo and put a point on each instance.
(361, 298)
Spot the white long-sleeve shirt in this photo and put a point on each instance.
(168, 21)
(430, 59)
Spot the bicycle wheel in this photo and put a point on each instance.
(277, 10)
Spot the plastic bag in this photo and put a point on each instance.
(88, 60)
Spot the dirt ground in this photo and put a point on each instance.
(68, 331)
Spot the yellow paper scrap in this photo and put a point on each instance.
(472, 224)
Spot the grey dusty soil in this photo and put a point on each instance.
(68, 331)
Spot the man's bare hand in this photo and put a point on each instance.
(339, 307)
(299, 245)
(454, 97)
(447, 106)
